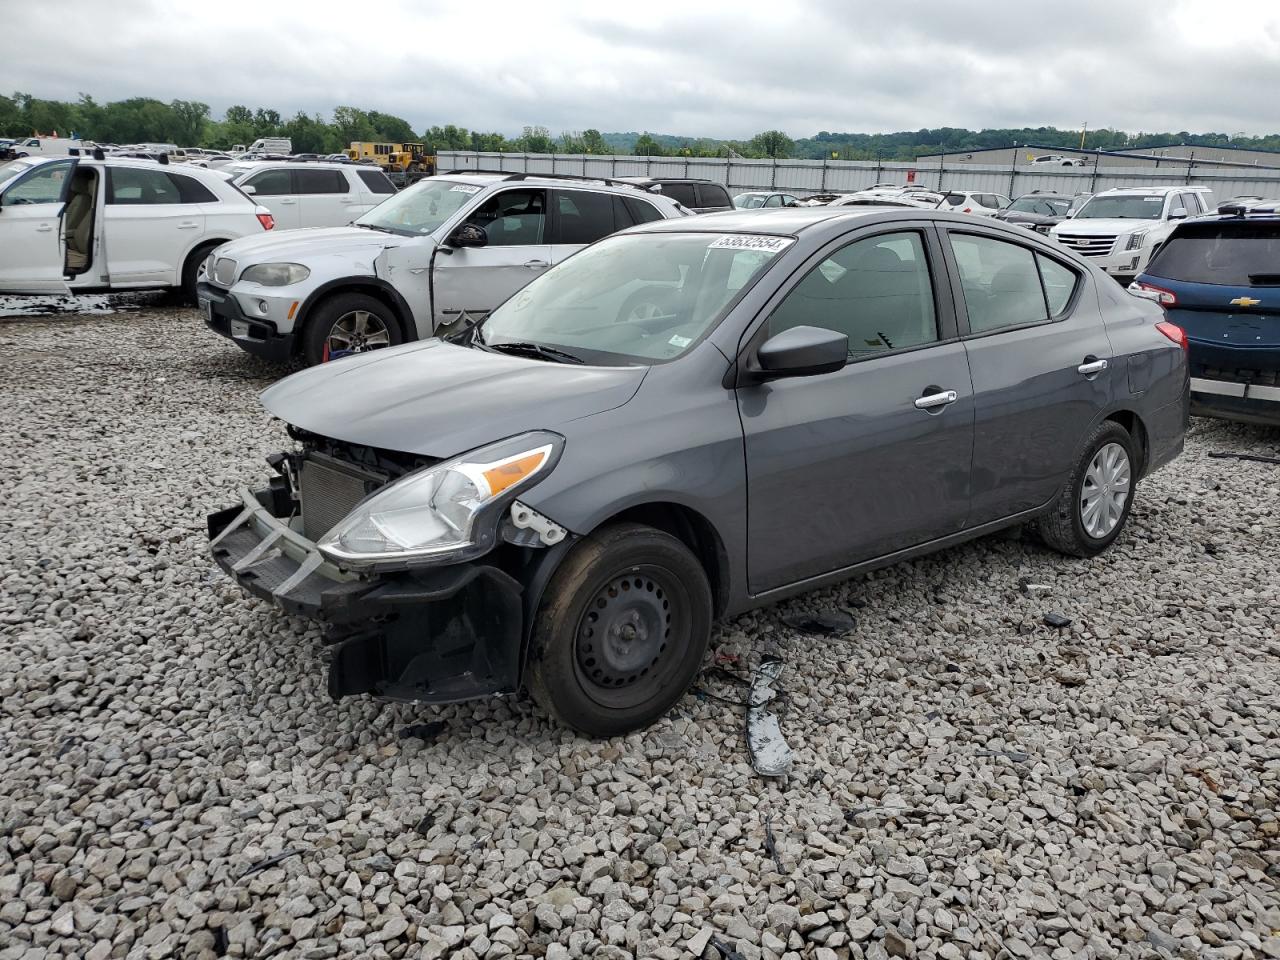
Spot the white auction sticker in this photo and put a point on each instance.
(740, 241)
(464, 188)
(679, 341)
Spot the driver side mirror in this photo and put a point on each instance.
(1180, 213)
(802, 352)
(468, 235)
(249, 190)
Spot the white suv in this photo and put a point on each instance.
(77, 224)
(433, 259)
(1121, 229)
(969, 201)
(306, 194)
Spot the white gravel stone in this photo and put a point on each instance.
(968, 783)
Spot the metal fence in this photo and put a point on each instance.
(803, 177)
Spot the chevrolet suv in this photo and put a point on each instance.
(430, 260)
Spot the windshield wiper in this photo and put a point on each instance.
(533, 350)
(370, 226)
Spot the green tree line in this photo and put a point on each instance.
(190, 123)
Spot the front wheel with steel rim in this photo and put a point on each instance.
(621, 631)
(1093, 505)
(348, 324)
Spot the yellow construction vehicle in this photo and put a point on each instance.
(406, 158)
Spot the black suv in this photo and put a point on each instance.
(1040, 210)
(700, 196)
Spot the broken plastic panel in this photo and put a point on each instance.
(770, 754)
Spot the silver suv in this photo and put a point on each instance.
(429, 261)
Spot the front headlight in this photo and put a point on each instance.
(208, 265)
(449, 512)
(1135, 240)
(276, 274)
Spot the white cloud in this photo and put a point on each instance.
(699, 67)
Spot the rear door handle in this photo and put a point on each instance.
(931, 400)
(188, 225)
(44, 228)
(536, 264)
(287, 202)
(1091, 366)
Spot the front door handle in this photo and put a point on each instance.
(931, 400)
(188, 225)
(44, 228)
(286, 202)
(536, 264)
(1092, 365)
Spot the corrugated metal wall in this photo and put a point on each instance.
(845, 176)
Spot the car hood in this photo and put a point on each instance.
(436, 399)
(289, 245)
(1106, 227)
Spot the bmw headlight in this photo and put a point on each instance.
(208, 265)
(1135, 240)
(276, 274)
(449, 512)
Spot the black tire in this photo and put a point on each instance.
(192, 267)
(1062, 527)
(644, 593)
(321, 324)
(646, 303)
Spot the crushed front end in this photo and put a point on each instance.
(433, 632)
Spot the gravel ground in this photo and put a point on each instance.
(969, 783)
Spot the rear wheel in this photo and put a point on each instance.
(191, 270)
(1093, 505)
(621, 631)
(346, 324)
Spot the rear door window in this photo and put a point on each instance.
(584, 217)
(320, 181)
(1231, 254)
(1000, 282)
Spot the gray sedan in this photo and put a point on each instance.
(687, 420)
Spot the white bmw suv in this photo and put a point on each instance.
(87, 224)
(431, 260)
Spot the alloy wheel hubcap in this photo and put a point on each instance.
(1105, 490)
(356, 332)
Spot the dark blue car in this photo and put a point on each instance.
(1218, 278)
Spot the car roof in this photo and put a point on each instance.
(1154, 190)
(608, 185)
(779, 222)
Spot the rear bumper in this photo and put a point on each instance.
(223, 315)
(1226, 400)
(434, 636)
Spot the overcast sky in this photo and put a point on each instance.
(691, 67)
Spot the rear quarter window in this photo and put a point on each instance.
(1230, 254)
(681, 193)
(713, 195)
(376, 181)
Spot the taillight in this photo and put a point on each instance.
(267, 220)
(1166, 298)
(1174, 333)
(967, 210)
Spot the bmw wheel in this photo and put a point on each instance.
(347, 324)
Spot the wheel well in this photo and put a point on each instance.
(1134, 425)
(200, 251)
(378, 293)
(696, 532)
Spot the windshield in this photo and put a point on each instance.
(1041, 205)
(12, 169)
(1136, 207)
(419, 209)
(1239, 254)
(749, 201)
(633, 299)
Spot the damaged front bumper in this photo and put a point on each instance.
(437, 635)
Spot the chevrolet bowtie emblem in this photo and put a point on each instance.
(1245, 302)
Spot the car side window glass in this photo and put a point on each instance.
(1059, 284)
(321, 181)
(584, 217)
(191, 190)
(513, 218)
(272, 183)
(43, 185)
(713, 195)
(875, 291)
(1000, 281)
(681, 193)
(641, 211)
(376, 182)
(131, 186)
(773, 201)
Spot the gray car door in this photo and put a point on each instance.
(1042, 367)
(874, 458)
(474, 280)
